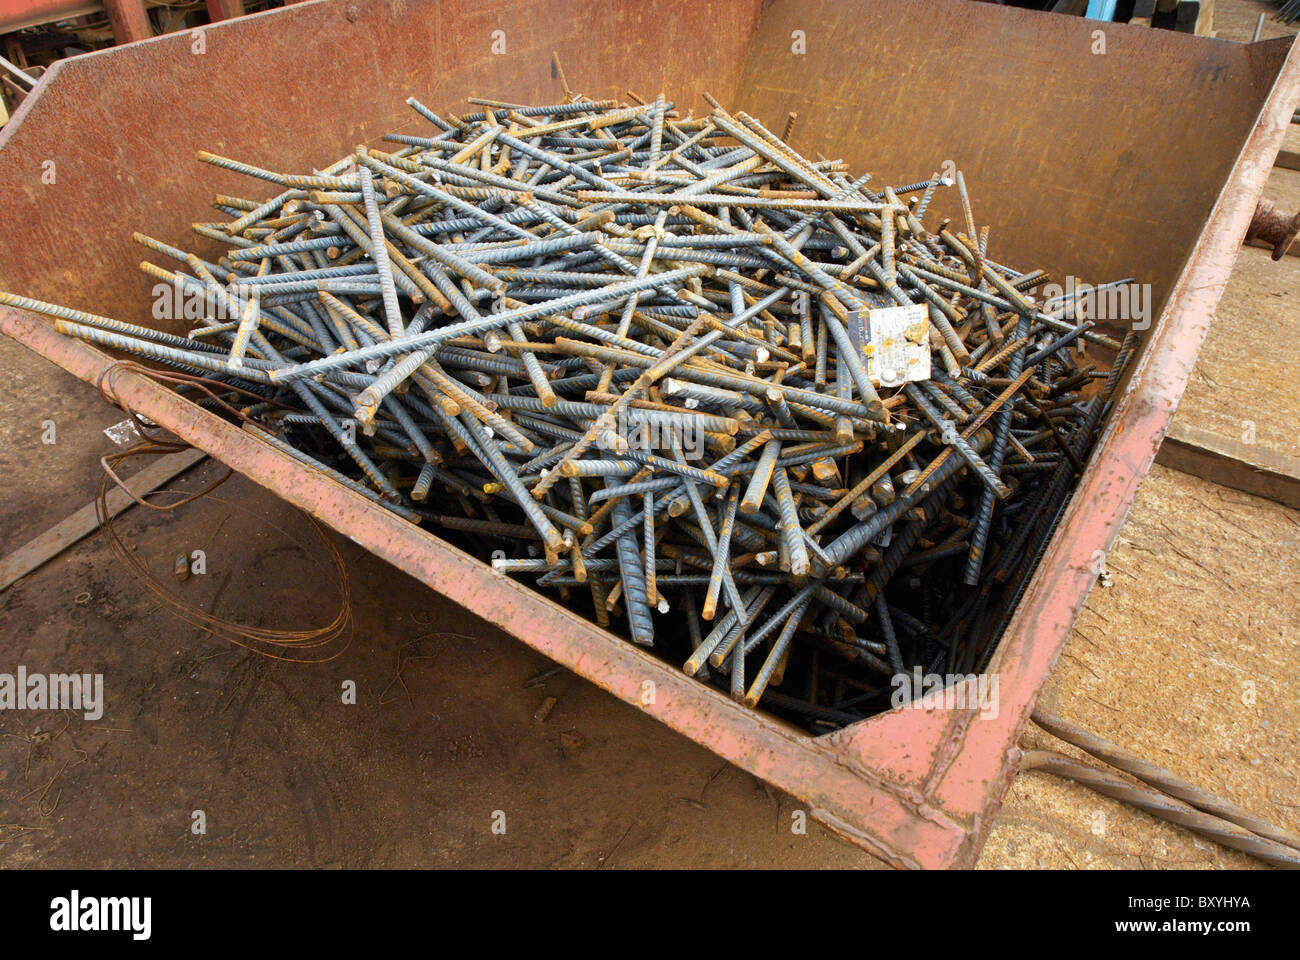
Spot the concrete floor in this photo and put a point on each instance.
(1203, 607)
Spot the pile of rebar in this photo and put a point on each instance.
(755, 409)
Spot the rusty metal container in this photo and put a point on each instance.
(1144, 160)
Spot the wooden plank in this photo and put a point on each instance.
(1248, 467)
(1205, 19)
(1292, 251)
(68, 531)
(1287, 159)
(129, 20)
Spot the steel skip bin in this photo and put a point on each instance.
(1143, 159)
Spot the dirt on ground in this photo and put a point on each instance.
(436, 757)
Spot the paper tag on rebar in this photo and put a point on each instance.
(122, 433)
(896, 344)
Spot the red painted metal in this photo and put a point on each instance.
(17, 14)
(917, 787)
(224, 9)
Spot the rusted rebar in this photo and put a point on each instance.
(655, 362)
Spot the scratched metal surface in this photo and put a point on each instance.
(1098, 165)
